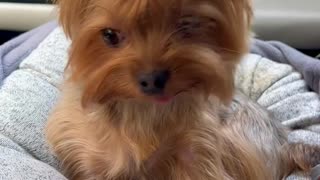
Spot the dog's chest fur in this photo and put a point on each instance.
(132, 140)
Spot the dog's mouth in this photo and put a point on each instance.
(165, 99)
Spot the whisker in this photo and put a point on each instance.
(229, 50)
(175, 69)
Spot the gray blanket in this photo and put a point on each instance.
(282, 53)
(29, 93)
(17, 49)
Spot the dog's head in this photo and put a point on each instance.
(155, 49)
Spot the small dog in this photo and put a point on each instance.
(149, 95)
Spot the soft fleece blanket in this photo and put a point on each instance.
(29, 93)
(282, 53)
(14, 51)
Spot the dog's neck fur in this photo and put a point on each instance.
(133, 137)
(142, 118)
(142, 132)
(149, 129)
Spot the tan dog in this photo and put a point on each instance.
(149, 91)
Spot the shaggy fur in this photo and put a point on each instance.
(105, 127)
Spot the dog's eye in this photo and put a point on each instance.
(112, 37)
(187, 26)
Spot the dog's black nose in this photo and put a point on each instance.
(153, 83)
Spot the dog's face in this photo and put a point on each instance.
(155, 49)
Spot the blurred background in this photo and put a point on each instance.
(294, 22)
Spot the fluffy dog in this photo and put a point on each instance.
(149, 94)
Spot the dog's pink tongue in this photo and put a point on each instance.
(163, 99)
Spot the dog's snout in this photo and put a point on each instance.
(153, 83)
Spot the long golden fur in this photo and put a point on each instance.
(105, 127)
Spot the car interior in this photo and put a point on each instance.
(293, 22)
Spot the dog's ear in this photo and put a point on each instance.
(239, 14)
(244, 7)
(248, 11)
(72, 14)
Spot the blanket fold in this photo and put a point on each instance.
(309, 67)
(17, 49)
